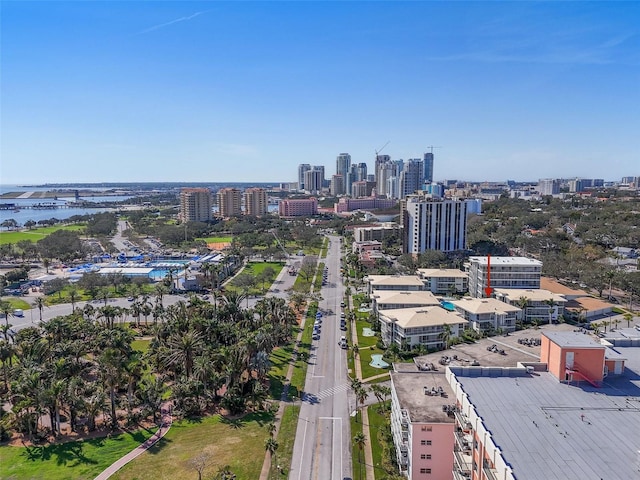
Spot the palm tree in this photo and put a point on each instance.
(610, 275)
(445, 335)
(271, 428)
(40, 303)
(271, 446)
(6, 310)
(354, 351)
(111, 364)
(551, 302)
(160, 291)
(182, 349)
(376, 389)
(104, 295)
(628, 317)
(73, 297)
(361, 396)
(360, 440)
(522, 304)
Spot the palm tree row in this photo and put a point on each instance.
(82, 367)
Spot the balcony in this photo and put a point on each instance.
(457, 475)
(463, 421)
(490, 473)
(463, 461)
(464, 441)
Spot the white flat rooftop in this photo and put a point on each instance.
(506, 261)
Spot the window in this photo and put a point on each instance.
(425, 470)
(426, 429)
(425, 442)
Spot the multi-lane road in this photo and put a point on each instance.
(322, 448)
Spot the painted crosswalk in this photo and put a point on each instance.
(326, 393)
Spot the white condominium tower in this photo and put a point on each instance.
(502, 272)
(431, 224)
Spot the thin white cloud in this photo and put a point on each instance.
(166, 24)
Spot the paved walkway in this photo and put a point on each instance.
(368, 454)
(284, 398)
(165, 425)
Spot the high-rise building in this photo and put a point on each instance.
(255, 202)
(548, 186)
(411, 177)
(337, 185)
(314, 179)
(431, 224)
(361, 172)
(428, 167)
(229, 202)
(303, 167)
(343, 167)
(196, 205)
(381, 173)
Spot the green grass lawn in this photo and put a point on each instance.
(300, 369)
(356, 454)
(376, 421)
(238, 443)
(366, 351)
(36, 234)
(17, 302)
(141, 345)
(255, 268)
(287, 435)
(280, 359)
(216, 239)
(77, 460)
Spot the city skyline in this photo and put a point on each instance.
(244, 91)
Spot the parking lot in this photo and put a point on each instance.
(479, 353)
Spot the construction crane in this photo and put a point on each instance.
(432, 147)
(379, 150)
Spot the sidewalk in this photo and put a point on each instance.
(266, 464)
(368, 454)
(165, 425)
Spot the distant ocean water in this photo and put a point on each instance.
(22, 215)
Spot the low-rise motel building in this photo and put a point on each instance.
(394, 282)
(444, 281)
(572, 415)
(429, 326)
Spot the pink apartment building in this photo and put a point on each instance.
(572, 416)
(422, 423)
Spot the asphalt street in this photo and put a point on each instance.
(322, 448)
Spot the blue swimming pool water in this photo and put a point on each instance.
(448, 306)
(377, 362)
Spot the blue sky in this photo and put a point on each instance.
(245, 91)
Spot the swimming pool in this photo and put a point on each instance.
(377, 362)
(161, 268)
(448, 306)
